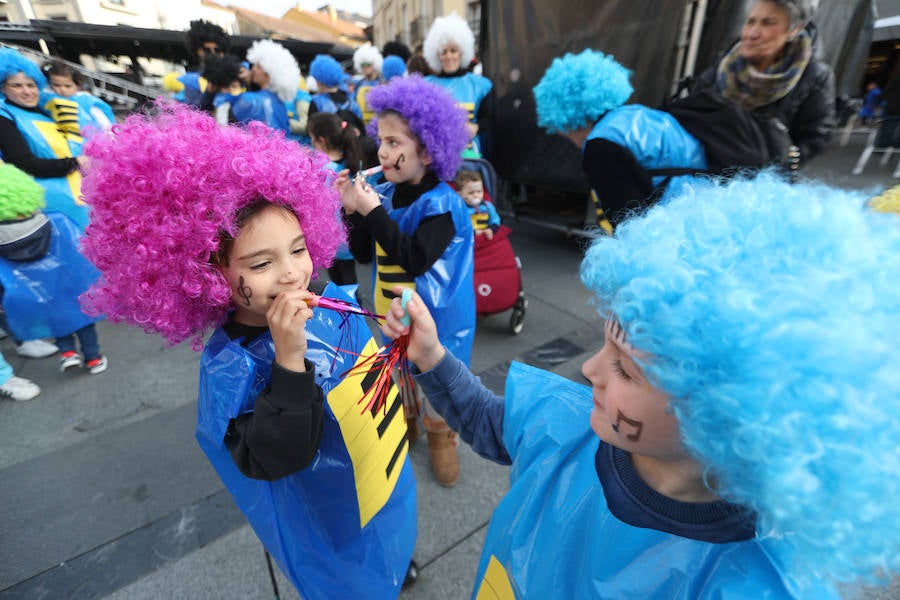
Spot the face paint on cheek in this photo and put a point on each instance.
(400, 159)
(637, 425)
(244, 291)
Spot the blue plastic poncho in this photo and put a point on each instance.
(469, 90)
(655, 138)
(345, 526)
(553, 535)
(447, 288)
(41, 297)
(263, 106)
(47, 140)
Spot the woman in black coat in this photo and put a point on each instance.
(775, 71)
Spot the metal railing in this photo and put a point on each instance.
(114, 90)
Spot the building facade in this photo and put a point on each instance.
(151, 14)
(407, 21)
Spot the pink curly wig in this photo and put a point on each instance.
(163, 191)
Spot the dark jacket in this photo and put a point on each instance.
(807, 110)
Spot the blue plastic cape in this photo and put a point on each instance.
(263, 106)
(447, 287)
(324, 103)
(94, 113)
(46, 140)
(300, 102)
(345, 526)
(469, 90)
(553, 535)
(41, 297)
(194, 86)
(363, 87)
(655, 138)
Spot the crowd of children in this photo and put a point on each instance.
(737, 435)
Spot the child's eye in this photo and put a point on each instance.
(620, 370)
(299, 251)
(260, 266)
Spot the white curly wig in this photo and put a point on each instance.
(279, 64)
(367, 54)
(446, 30)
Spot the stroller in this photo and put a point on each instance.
(498, 271)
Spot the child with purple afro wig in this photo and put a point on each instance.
(197, 226)
(420, 226)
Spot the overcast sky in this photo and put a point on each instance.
(276, 8)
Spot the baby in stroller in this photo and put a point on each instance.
(485, 220)
(498, 277)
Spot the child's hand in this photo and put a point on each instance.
(356, 195)
(287, 319)
(489, 233)
(425, 349)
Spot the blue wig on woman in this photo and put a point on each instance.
(432, 116)
(577, 89)
(327, 71)
(770, 314)
(11, 63)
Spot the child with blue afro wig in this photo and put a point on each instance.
(582, 97)
(327, 71)
(746, 398)
(577, 89)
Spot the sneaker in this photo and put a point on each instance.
(70, 360)
(19, 389)
(96, 365)
(36, 349)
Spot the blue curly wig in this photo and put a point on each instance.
(11, 62)
(577, 89)
(326, 70)
(432, 116)
(393, 66)
(770, 314)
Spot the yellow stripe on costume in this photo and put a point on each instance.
(602, 222)
(495, 584)
(887, 202)
(388, 274)
(375, 439)
(480, 220)
(59, 144)
(65, 113)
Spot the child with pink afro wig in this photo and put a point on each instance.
(166, 190)
(195, 226)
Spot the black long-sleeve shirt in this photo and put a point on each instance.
(15, 150)
(415, 253)
(282, 434)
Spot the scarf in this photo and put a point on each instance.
(740, 82)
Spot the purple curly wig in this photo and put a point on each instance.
(432, 115)
(164, 192)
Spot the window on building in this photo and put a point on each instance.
(473, 17)
(404, 11)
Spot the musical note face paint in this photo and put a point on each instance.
(244, 291)
(268, 257)
(400, 153)
(629, 411)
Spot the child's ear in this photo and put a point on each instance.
(425, 157)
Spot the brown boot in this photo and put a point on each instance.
(444, 461)
(412, 425)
